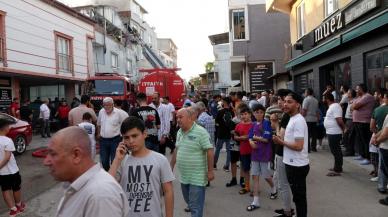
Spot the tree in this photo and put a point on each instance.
(209, 67)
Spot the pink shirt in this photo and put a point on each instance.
(364, 113)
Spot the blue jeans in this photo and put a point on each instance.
(219, 145)
(108, 148)
(194, 196)
(152, 146)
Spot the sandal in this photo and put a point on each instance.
(252, 207)
(243, 191)
(273, 196)
(332, 174)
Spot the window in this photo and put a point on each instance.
(300, 11)
(238, 24)
(115, 60)
(129, 66)
(377, 69)
(64, 52)
(330, 7)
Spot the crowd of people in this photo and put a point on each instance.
(268, 135)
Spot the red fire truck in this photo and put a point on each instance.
(111, 85)
(164, 81)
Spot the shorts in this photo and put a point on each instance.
(234, 156)
(245, 160)
(11, 182)
(261, 169)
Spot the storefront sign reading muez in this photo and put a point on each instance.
(328, 28)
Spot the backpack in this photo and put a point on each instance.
(228, 119)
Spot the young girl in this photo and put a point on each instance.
(260, 141)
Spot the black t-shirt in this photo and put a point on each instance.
(283, 124)
(25, 112)
(151, 119)
(224, 123)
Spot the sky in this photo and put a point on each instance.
(188, 23)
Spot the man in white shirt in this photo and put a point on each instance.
(171, 140)
(164, 115)
(334, 126)
(263, 99)
(45, 117)
(296, 152)
(92, 191)
(310, 111)
(382, 140)
(108, 126)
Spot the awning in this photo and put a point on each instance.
(368, 26)
(277, 75)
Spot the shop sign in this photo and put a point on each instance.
(5, 97)
(358, 9)
(258, 77)
(328, 28)
(5, 82)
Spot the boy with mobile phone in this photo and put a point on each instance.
(144, 174)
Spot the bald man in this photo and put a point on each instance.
(193, 155)
(92, 191)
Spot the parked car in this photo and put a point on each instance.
(20, 133)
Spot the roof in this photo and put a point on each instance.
(70, 11)
(222, 38)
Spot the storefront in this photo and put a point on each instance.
(348, 48)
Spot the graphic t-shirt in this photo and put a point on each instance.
(141, 180)
(242, 129)
(91, 131)
(151, 119)
(263, 152)
(6, 144)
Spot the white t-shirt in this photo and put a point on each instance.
(384, 144)
(296, 129)
(6, 144)
(330, 123)
(172, 109)
(91, 131)
(44, 112)
(262, 100)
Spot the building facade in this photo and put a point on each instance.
(46, 50)
(221, 77)
(257, 44)
(168, 47)
(338, 42)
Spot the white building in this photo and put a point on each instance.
(169, 48)
(222, 68)
(46, 50)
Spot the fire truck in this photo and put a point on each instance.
(166, 82)
(113, 85)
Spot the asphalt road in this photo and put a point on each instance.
(350, 195)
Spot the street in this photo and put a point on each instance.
(351, 194)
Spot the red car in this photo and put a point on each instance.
(21, 134)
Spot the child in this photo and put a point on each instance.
(87, 125)
(145, 175)
(241, 136)
(10, 179)
(259, 139)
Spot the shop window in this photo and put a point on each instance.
(64, 52)
(330, 7)
(114, 60)
(377, 70)
(337, 74)
(304, 81)
(300, 22)
(385, 65)
(238, 24)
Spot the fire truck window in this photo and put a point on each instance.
(109, 87)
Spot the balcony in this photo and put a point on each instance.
(283, 6)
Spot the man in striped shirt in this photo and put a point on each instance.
(193, 155)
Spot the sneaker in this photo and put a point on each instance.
(226, 169)
(232, 182)
(22, 207)
(384, 202)
(358, 158)
(374, 179)
(365, 162)
(13, 213)
(273, 196)
(280, 213)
